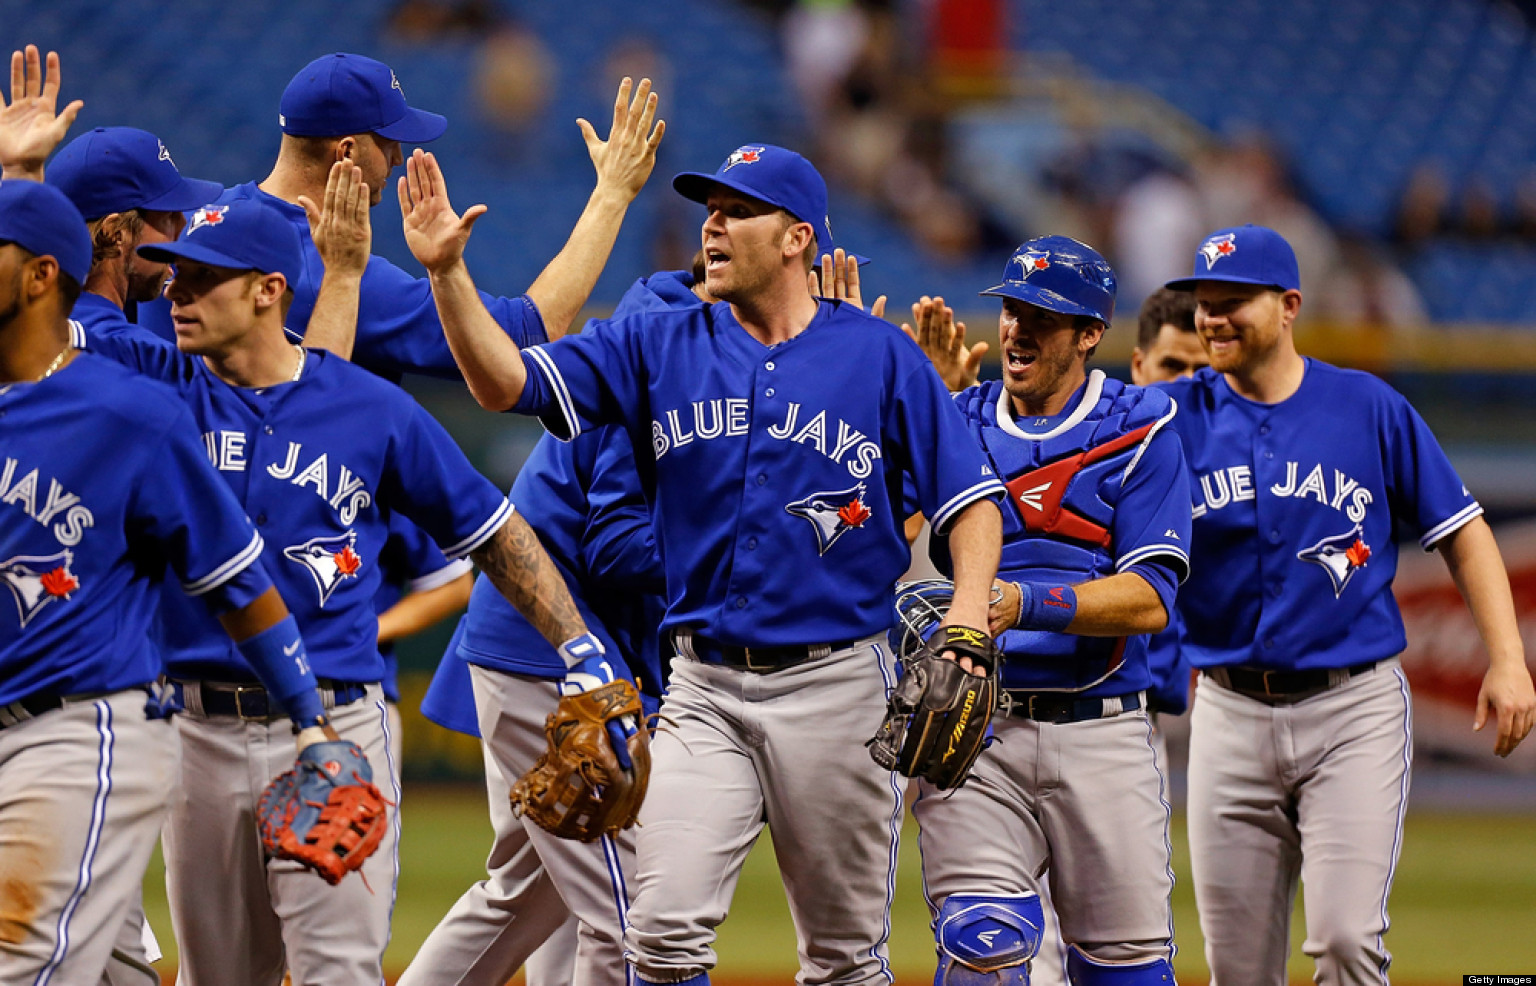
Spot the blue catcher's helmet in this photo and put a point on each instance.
(1059, 274)
(920, 607)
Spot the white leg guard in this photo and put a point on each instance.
(987, 941)
(1086, 972)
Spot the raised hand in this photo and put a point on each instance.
(624, 161)
(29, 126)
(839, 272)
(340, 228)
(435, 233)
(943, 340)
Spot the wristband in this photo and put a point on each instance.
(277, 656)
(1045, 606)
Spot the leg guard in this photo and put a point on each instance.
(1086, 972)
(987, 941)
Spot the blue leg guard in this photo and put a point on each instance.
(987, 941)
(1086, 972)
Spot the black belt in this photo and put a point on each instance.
(1279, 686)
(760, 660)
(251, 702)
(17, 712)
(1056, 707)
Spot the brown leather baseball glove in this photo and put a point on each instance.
(580, 788)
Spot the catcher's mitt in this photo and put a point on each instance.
(325, 812)
(937, 722)
(578, 789)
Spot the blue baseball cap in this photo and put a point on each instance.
(1059, 274)
(770, 174)
(246, 234)
(340, 94)
(43, 221)
(119, 169)
(1244, 255)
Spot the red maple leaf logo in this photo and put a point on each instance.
(853, 513)
(1041, 263)
(347, 561)
(749, 157)
(59, 583)
(1358, 553)
(212, 218)
(1225, 247)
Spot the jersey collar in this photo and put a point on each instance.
(1091, 391)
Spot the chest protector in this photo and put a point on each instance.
(1064, 483)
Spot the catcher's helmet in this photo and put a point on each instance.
(920, 607)
(1059, 274)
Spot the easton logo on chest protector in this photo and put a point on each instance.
(1340, 556)
(832, 514)
(37, 580)
(1038, 494)
(329, 560)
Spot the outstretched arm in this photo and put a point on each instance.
(943, 340)
(29, 127)
(517, 564)
(1472, 555)
(623, 164)
(344, 239)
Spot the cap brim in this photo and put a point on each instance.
(186, 195)
(169, 253)
(416, 127)
(1190, 283)
(1040, 298)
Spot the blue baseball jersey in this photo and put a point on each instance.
(320, 465)
(398, 330)
(450, 697)
(1295, 509)
(1098, 489)
(101, 318)
(410, 562)
(103, 484)
(774, 473)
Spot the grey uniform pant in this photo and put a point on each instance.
(1085, 800)
(535, 881)
(1314, 790)
(737, 749)
(240, 918)
(83, 792)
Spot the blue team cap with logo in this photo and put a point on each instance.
(775, 175)
(1244, 255)
(1059, 274)
(339, 94)
(119, 169)
(43, 221)
(246, 234)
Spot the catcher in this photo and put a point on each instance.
(1094, 545)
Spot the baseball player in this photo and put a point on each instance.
(347, 107)
(1301, 738)
(771, 430)
(321, 454)
(103, 482)
(1094, 546)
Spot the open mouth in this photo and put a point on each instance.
(1022, 359)
(715, 259)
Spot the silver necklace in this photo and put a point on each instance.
(57, 362)
(297, 370)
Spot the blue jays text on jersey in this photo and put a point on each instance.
(1295, 506)
(777, 528)
(398, 329)
(319, 465)
(1098, 489)
(102, 486)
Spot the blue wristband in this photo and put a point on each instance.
(277, 656)
(1046, 606)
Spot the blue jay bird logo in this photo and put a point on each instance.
(832, 514)
(330, 561)
(1340, 556)
(743, 155)
(1217, 247)
(37, 580)
(1032, 260)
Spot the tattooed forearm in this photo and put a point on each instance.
(516, 564)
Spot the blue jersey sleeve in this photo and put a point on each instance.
(398, 328)
(582, 381)
(145, 355)
(948, 471)
(1152, 518)
(190, 512)
(1425, 490)
(428, 479)
(618, 545)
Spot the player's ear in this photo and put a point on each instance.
(39, 276)
(1290, 304)
(346, 149)
(800, 242)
